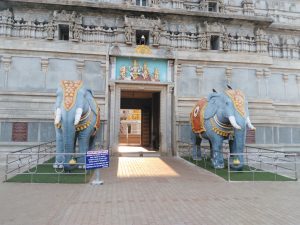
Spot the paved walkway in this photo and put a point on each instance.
(152, 191)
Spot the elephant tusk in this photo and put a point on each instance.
(249, 124)
(57, 116)
(77, 115)
(233, 122)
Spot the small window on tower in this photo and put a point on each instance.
(212, 7)
(142, 37)
(63, 32)
(141, 2)
(214, 42)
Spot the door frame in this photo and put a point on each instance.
(165, 123)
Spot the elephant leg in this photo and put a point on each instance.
(211, 150)
(92, 141)
(59, 157)
(217, 160)
(196, 150)
(85, 142)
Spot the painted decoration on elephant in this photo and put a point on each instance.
(70, 89)
(238, 99)
(141, 69)
(197, 116)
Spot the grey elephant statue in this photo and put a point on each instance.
(219, 117)
(77, 117)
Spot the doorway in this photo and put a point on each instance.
(140, 119)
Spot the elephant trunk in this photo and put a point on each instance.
(69, 131)
(237, 159)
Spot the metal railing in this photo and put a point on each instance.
(20, 160)
(38, 161)
(256, 161)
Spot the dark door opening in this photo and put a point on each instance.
(145, 108)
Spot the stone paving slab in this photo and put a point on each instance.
(152, 191)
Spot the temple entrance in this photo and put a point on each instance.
(139, 119)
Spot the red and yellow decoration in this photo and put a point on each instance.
(197, 116)
(97, 125)
(238, 99)
(70, 89)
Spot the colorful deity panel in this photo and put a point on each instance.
(141, 69)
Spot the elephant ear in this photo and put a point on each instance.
(212, 105)
(91, 101)
(239, 101)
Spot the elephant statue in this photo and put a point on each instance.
(77, 116)
(219, 117)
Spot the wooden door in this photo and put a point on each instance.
(145, 128)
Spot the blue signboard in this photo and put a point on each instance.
(141, 69)
(97, 159)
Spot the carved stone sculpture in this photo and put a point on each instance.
(128, 35)
(156, 35)
(77, 30)
(225, 40)
(50, 30)
(77, 116)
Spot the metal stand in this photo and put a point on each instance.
(97, 181)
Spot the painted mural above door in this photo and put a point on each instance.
(141, 69)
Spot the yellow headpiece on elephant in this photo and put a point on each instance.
(70, 89)
(238, 99)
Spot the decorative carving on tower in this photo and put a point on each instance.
(261, 40)
(6, 15)
(64, 16)
(6, 22)
(128, 2)
(248, 7)
(155, 3)
(141, 21)
(204, 5)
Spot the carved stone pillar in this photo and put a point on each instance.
(6, 60)
(259, 76)
(179, 69)
(267, 75)
(285, 79)
(80, 67)
(199, 73)
(44, 67)
(170, 74)
(111, 121)
(228, 74)
(298, 84)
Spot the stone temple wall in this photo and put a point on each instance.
(258, 52)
